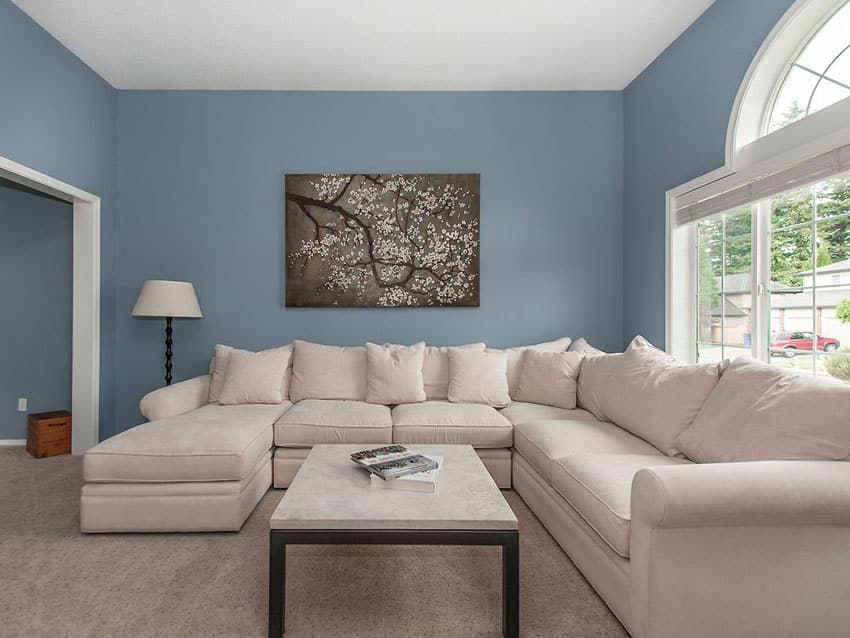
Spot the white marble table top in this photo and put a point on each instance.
(331, 492)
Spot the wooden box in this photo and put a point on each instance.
(49, 433)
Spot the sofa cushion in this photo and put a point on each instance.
(255, 377)
(539, 442)
(599, 487)
(394, 373)
(515, 358)
(221, 359)
(435, 370)
(212, 443)
(759, 412)
(520, 412)
(549, 378)
(315, 421)
(583, 346)
(646, 391)
(441, 422)
(478, 377)
(327, 372)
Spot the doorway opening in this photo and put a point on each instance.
(85, 308)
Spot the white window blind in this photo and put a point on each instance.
(810, 171)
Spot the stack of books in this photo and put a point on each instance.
(394, 467)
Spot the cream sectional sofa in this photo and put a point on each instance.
(664, 484)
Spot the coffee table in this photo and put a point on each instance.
(330, 503)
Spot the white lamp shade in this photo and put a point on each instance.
(167, 299)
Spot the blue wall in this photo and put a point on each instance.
(201, 196)
(36, 236)
(58, 116)
(676, 114)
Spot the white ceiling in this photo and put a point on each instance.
(367, 44)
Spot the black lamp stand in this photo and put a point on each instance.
(168, 351)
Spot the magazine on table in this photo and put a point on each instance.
(419, 482)
(393, 461)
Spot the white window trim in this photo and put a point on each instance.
(749, 156)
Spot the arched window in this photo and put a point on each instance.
(758, 259)
(818, 77)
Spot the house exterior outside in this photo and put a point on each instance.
(806, 308)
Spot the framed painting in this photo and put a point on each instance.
(382, 240)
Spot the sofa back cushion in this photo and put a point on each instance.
(584, 346)
(759, 412)
(435, 370)
(646, 392)
(327, 372)
(394, 373)
(549, 378)
(254, 377)
(515, 358)
(478, 377)
(221, 359)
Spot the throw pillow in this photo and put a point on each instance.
(218, 370)
(583, 345)
(394, 373)
(759, 413)
(478, 377)
(549, 378)
(646, 391)
(515, 357)
(435, 370)
(327, 372)
(254, 377)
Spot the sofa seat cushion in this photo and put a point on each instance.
(520, 412)
(540, 442)
(315, 421)
(212, 443)
(599, 487)
(442, 423)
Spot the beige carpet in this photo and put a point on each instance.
(55, 581)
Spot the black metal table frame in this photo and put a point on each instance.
(280, 538)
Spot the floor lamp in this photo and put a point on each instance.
(167, 299)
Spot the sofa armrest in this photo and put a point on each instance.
(176, 399)
(740, 549)
(755, 493)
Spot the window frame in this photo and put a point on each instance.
(750, 154)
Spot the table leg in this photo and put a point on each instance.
(277, 584)
(510, 585)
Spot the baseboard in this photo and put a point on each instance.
(12, 442)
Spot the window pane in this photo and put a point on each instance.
(833, 197)
(826, 94)
(833, 250)
(790, 105)
(827, 43)
(737, 337)
(791, 258)
(791, 320)
(792, 208)
(709, 326)
(840, 69)
(710, 268)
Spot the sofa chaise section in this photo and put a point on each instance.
(204, 469)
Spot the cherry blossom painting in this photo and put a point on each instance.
(382, 240)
